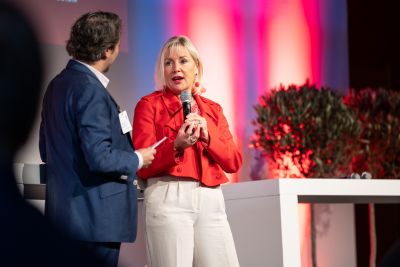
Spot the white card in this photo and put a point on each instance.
(125, 123)
(155, 145)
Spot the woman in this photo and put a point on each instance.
(186, 223)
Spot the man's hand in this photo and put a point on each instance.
(148, 155)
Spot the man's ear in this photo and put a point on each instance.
(104, 55)
(107, 53)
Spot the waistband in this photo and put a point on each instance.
(168, 178)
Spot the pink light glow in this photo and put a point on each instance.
(293, 56)
(178, 17)
(239, 76)
(262, 46)
(289, 48)
(311, 9)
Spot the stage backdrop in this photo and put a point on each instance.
(248, 47)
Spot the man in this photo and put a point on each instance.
(27, 239)
(84, 139)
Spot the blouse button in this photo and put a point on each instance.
(179, 169)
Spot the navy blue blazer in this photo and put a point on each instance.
(82, 144)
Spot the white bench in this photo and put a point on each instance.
(31, 180)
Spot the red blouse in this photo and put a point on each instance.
(160, 114)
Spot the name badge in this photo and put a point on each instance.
(125, 123)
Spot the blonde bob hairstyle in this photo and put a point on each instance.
(175, 43)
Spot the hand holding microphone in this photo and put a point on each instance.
(193, 128)
(200, 123)
(187, 136)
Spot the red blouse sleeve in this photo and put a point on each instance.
(144, 134)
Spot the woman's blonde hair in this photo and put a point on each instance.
(177, 42)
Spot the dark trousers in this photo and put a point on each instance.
(107, 252)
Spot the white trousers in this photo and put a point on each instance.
(186, 225)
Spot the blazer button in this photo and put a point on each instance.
(162, 112)
(218, 176)
(179, 169)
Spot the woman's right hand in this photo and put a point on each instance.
(187, 136)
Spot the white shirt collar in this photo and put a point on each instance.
(103, 79)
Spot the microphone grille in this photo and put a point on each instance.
(186, 96)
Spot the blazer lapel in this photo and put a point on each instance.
(174, 108)
(205, 109)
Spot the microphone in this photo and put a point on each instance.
(186, 98)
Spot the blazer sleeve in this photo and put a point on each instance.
(222, 147)
(94, 115)
(144, 135)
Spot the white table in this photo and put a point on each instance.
(264, 214)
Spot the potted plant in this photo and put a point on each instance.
(311, 126)
(378, 111)
(305, 132)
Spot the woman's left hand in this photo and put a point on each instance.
(201, 122)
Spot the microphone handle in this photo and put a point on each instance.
(186, 109)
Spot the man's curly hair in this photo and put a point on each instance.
(92, 34)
